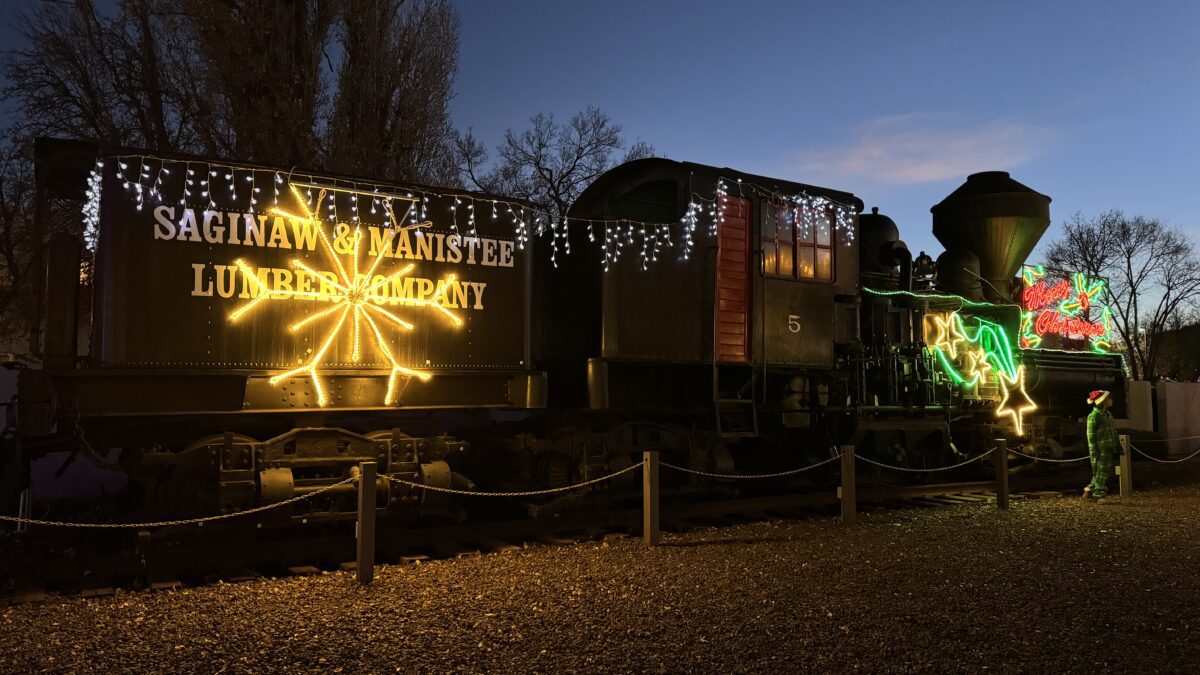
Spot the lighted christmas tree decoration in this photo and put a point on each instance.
(356, 299)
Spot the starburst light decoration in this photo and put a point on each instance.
(356, 299)
(978, 354)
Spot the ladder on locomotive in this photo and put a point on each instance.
(736, 417)
(734, 408)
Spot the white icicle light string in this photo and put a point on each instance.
(91, 205)
(649, 238)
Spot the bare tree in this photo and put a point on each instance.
(20, 241)
(261, 64)
(16, 245)
(84, 74)
(391, 115)
(1153, 273)
(548, 164)
(249, 79)
(359, 86)
(1178, 359)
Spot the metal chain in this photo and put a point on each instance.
(1168, 440)
(1048, 459)
(166, 523)
(526, 493)
(733, 476)
(1164, 461)
(941, 468)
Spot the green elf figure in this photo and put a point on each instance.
(1102, 444)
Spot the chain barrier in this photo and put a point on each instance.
(734, 476)
(1049, 459)
(941, 468)
(167, 523)
(526, 493)
(1168, 440)
(1164, 461)
(548, 491)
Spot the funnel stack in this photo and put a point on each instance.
(996, 219)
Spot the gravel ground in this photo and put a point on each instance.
(1052, 585)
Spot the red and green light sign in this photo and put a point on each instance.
(1063, 310)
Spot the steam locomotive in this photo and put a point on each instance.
(254, 333)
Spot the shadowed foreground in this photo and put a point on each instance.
(1052, 585)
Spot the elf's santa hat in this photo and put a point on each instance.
(1097, 397)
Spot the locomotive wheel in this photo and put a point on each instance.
(722, 459)
(625, 482)
(186, 486)
(385, 435)
(434, 474)
(219, 439)
(557, 467)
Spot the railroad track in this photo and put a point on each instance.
(197, 556)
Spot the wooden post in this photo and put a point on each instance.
(1001, 473)
(366, 522)
(846, 492)
(1125, 468)
(650, 533)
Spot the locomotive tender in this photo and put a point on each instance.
(256, 332)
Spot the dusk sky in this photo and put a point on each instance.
(1094, 103)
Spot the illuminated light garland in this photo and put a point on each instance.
(929, 296)
(91, 205)
(688, 222)
(1064, 309)
(970, 356)
(808, 206)
(354, 300)
(201, 186)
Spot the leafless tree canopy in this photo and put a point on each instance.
(354, 86)
(16, 244)
(390, 114)
(549, 163)
(263, 88)
(359, 86)
(1153, 272)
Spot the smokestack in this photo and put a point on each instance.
(998, 220)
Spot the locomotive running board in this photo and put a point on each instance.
(111, 392)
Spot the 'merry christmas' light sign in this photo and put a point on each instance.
(1063, 310)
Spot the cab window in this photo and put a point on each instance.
(797, 243)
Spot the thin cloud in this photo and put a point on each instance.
(906, 149)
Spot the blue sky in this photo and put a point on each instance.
(1088, 102)
(1096, 104)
